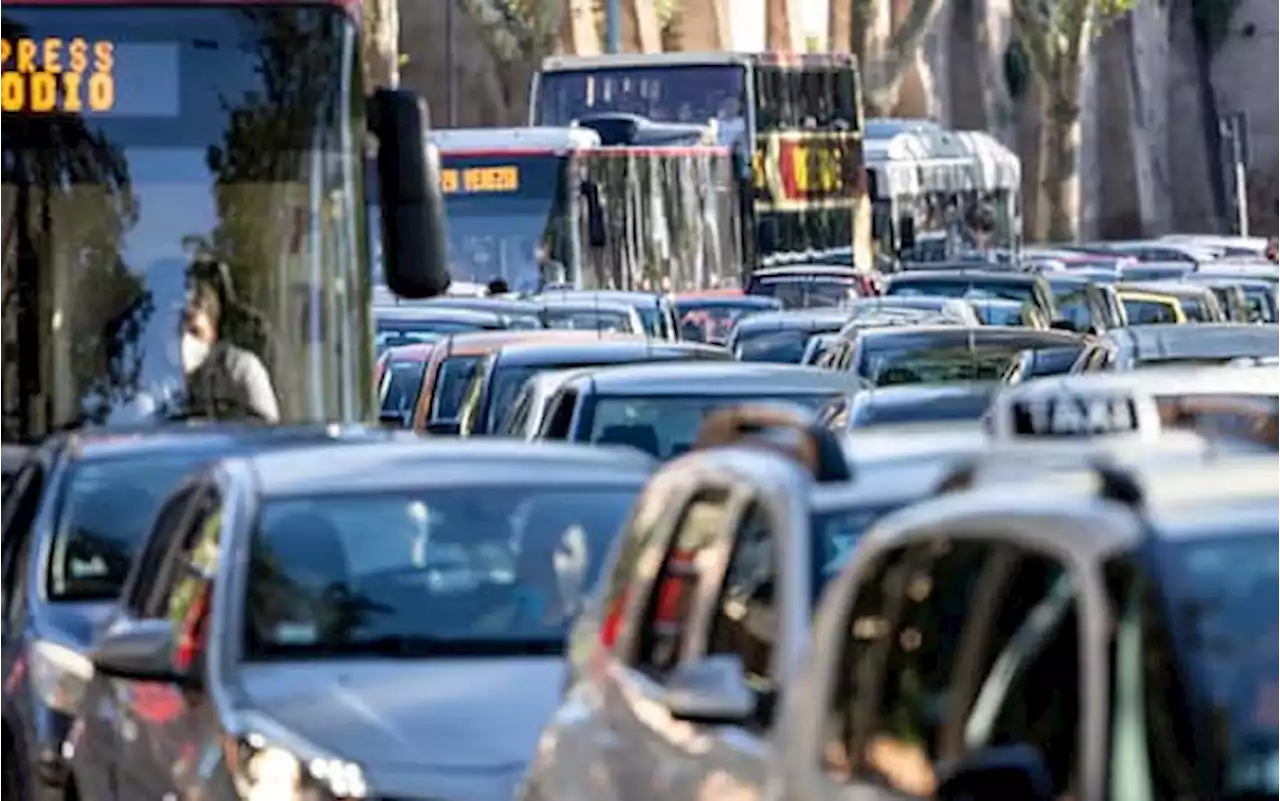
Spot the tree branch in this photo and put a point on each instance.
(1035, 32)
(884, 77)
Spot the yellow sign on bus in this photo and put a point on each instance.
(480, 179)
(53, 74)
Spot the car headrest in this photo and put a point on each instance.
(790, 432)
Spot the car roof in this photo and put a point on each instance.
(793, 318)
(904, 394)
(699, 299)
(727, 378)
(947, 335)
(106, 445)
(624, 295)
(803, 270)
(444, 313)
(412, 465)
(481, 343)
(1203, 340)
(1175, 288)
(594, 350)
(1223, 279)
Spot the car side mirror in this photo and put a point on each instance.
(141, 650)
(412, 203)
(1005, 773)
(444, 428)
(712, 690)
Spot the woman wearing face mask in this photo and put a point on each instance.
(223, 381)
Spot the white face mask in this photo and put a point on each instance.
(194, 352)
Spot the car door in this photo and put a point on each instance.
(651, 760)
(101, 751)
(161, 726)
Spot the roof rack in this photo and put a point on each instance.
(790, 432)
(1115, 483)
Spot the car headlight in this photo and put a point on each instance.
(59, 675)
(268, 772)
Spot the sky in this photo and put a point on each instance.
(748, 21)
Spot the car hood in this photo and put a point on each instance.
(446, 716)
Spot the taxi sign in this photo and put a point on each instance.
(1074, 416)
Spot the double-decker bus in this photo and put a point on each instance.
(623, 215)
(193, 159)
(794, 122)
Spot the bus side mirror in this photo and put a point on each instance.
(596, 235)
(906, 233)
(413, 234)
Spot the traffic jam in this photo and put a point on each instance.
(702, 440)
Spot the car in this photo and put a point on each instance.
(78, 512)
(398, 376)
(1199, 303)
(408, 325)
(710, 316)
(659, 408)
(711, 585)
(519, 313)
(657, 311)
(808, 286)
(909, 404)
(529, 408)
(944, 354)
(781, 336)
(1031, 288)
(1173, 270)
(1028, 628)
(1144, 346)
(330, 628)
(1262, 271)
(504, 371)
(1151, 308)
(1258, 304)
(959, 310)
(587, 314)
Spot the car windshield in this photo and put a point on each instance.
(666, 427)
(454, 377)
(505, 209)
(806, 292)
(491, 570)
(103, 519)
(1020, 291)
(589, 319)
(401, 383)
(835, 534)
(1149, 312)
(890, 366)
(785, 346)
(928, 409)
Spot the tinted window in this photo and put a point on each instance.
(946, 408)
(104, 518)
(1149, 312)
(745, 620)
(452, 380)
(783, 347)
(666, 427)
(401, 381)
(1020, 291)
(685, 93)
(491, 569)
(891, 366)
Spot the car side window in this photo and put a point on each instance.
(665, 623)
(159, 543)
(190, 597)
(519, 416)
(206, 506)
(745, 619)
(560, 415)
(624, 560)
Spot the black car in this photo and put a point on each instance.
(1141, 346)
(386, 622)
(504, 371)
(945, 354)
(1023, 287)
(781, 336)
(659, 408)
(79, 510)
(910, 403)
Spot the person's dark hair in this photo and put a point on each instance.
(207, 300)
(498, 286)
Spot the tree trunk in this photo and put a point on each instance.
(1060, 153)
(381, 47)
(884, 69)
(840, 26)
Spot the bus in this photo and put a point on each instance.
(620, 215)
(158, 156)
(794, 123)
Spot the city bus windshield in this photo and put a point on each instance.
(689, 93)
(504, 210)
(180, 186)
